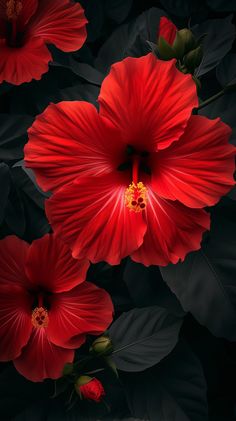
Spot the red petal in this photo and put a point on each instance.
(41, 359)
(50, 265)
(15, 320)
(198, 169)
(173, 230)
(149, 100)
(85, 309)
(19, 65)
(90, 214)
(60, 22)
(13, 252)
(70, 138)
(167, 30)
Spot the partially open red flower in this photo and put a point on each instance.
(180, 44)
(167, 30)
(46, 307)
(27, 26)
(132, 179)
(90, 388)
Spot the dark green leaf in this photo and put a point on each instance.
(83, 70)
(220, 34)
(143, 337)
(222, 5)
(81, 92)
(32, 98)
(205, 282)
(5, 186)
(224, 107)
(125, 41)
(94, 12)
(181, 7)
(13, 135)
(15, 214)
(17, 393)
(147, 288)
(36, 222)
(174, 390)
(118, 9)
(25, 178)
(226, 71)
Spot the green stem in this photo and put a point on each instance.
(95, 371)
(210, 100)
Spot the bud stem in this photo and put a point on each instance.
(95, 371)
(209, 101)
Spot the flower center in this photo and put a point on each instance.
(136, 196)
(136, 193)
(40, 314)
(13, 9)
(39, 317)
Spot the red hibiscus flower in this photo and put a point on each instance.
(27, 26)
(90, 388)
(132, 179)
(46, 307)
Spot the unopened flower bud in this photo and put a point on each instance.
(165, 51)
(89, 388)
(178, 46)
(102, 345)
(68, 369)
(187, 39)
(193, 58)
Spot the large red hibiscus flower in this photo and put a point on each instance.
(27, 26)
(46, 307)
(132, 179)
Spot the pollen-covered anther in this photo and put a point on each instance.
(13, 9)
(39, 317)
(136, 196)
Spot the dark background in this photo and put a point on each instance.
(174, 389)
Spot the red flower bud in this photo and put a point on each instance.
(90, 388)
